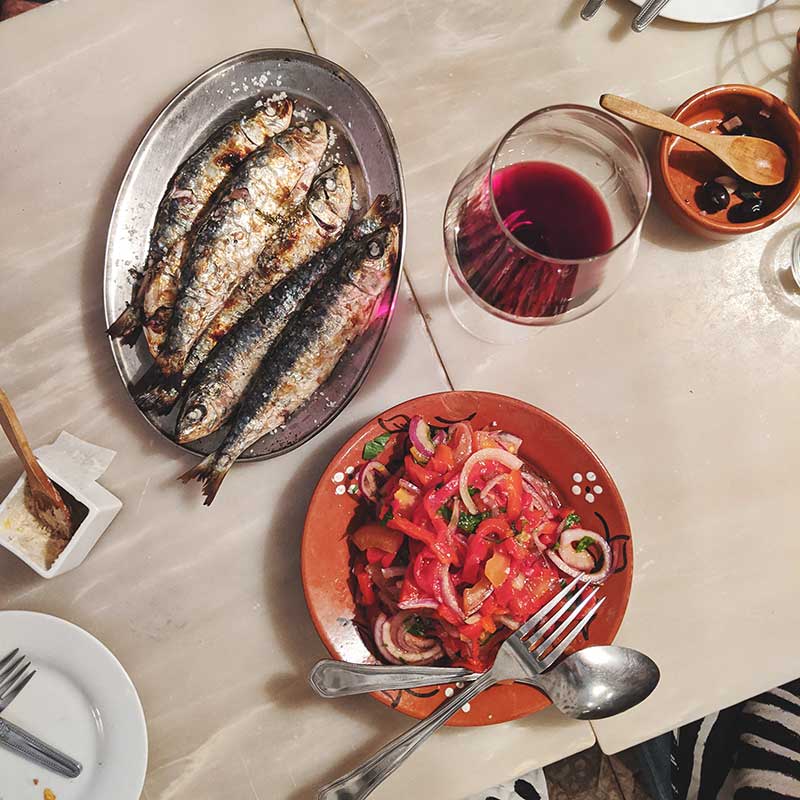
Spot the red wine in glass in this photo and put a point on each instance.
(556, 215)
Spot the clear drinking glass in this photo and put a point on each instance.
(543, 226)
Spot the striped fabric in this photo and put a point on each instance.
(750, 751)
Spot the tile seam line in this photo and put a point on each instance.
(305, 27)
(405, 272)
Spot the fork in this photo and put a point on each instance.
(591, 8)
(14, 677)
(516, 660)
(650, 10)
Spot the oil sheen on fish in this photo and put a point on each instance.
(257, 198)
(319, 223)
(187, 195)
(304, 357)
(221, 381)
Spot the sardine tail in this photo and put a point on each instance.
(210, 473)
(152, 392)
(127, 325)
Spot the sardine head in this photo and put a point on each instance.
(271, 118)
(371, 269)
(330, 197)
(201, 415)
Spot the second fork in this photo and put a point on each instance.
(516, 659)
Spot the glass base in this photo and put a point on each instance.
(480, 323)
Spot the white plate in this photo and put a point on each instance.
(706, 11)
(81, 701)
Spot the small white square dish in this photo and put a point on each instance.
(93, 505)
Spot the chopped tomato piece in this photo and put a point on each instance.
(377, 536)
(497, 568)
(513, 486)
(419, 475)
(365, 586)
(440, 548)
(442, 460)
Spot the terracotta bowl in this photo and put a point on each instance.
(683, 166)
(552, 448)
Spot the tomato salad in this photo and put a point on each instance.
(466, 543)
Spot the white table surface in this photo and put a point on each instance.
(685, 383)
(202, 606)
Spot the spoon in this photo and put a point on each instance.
(593, 683)
(756, 160)
(46, 504)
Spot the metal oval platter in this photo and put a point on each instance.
(362, 141)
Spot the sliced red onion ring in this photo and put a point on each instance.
(397, 653)
(440, 437)
(408, 486)
(369, 477)
(377, 635)
(393, 572)
(418, 605)
(509, 622)
(454, 516)
(449, 594)
(488, 454)
(507, 441)
(489, 486)
(566, 550)
(464, 449)
(479, 597)
(420, 435)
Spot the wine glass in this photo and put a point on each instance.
(543, 226)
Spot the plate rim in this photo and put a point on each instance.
(276, 53)
(717, 21)
(322, 486)
(104, 652)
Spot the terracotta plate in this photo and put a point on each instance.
(549, 446)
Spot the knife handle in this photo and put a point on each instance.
(28, 746)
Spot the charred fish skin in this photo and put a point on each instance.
(221, 381)
(307, 352)
(190, 190)
(257, 198)
(306, 235)
(320, 223)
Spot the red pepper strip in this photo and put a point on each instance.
(374, 555)
(513, 486)
(419, 475)
(440, 548)
(387, 560)
(515, 549)
(448, 614)
(478, 547)
(365, 585)
(547, 533)
(442, 460)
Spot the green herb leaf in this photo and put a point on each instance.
(416, 626)
(387, 516)
(473, 490)
(445, 512)
(375, 446)
(572, 520)
(584, 543)
(469, 522)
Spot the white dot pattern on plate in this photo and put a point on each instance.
(338, 477)
(590, 476)
(449, 691)
(349, 470)
(460, 685)
(576, 490)
(340, 489)
(577, 477)
(589, 497)
(598, 489)
(466, 708)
